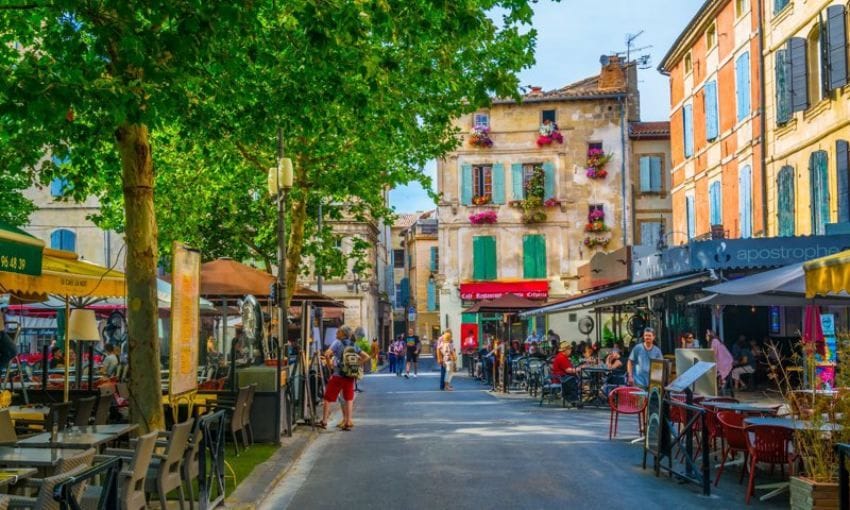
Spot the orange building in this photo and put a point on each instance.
(716, 123)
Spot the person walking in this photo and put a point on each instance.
(399, 348)
(391, 356)
(447, 358)
(639, 359)
(414, 347)
(375, 352)
(348, 360)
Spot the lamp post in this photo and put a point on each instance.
(279, 183)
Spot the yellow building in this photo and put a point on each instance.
(807, 115)
(423, 259)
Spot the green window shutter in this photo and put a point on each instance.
(548, 180)
(477, 259)
(644, 174)
(540, 256)
(484, 258)
(466, 184)
(516, 181)
(434, 259)
(534, 256)
(528, 260)
(498, 183)
(785, 191)
(490, 257)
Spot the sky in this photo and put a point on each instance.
(571, 36)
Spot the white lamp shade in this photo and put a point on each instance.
(82, 326)
(280, 178)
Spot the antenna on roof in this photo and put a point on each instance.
(643, 60)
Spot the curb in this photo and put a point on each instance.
(270, 473)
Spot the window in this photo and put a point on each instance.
(481, 120)
(690, 216)
(715, 214)
(745, 201)
(483, 258)
(549, 115)
(740, 7)
(785, 200)
(594, 145)
(709, 95)
(651, 180)
(651, 232)
(689, 64)
(688, 129)
(842, 167)
(778, 5)
(782, 69)
(835, 52)
(431, 295)
(533, 180)
(58, 187)
(482, 184)
(742, 85)
(815, 64)
(819, 192)
(398, 302)
(435, 259)
(711, 36)
(798, 71)
(398, 259)
(63, 239)
(534, 256)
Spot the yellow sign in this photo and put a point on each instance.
(185, 320)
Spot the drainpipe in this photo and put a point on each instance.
(762, 120)
(622, 100)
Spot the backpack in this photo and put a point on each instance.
(349, 364)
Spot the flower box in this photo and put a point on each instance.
(481, 200)
(549, 134)
(480, 137)
(596, 161)
(484, 218)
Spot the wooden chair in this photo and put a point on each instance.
(7, 428)
(247, 430)
(83, 409)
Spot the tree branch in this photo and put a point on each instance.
(254, 160)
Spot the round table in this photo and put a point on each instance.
(792, 424)
(743, 407)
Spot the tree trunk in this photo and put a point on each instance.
(295, 246)
(141, 238)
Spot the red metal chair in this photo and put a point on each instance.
(735, 440)
(624, 400)
(770, 445)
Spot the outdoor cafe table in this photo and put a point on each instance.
(11, 476)
(594, 376)
(95, 436)
(31, 413)
(743, 407)
(44, 458)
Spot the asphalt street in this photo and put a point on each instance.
(414, 447)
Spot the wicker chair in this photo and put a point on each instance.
(44, 500)
(101, 413)
(131, 479)
(164, 473)
(247, 430)
(83, 409)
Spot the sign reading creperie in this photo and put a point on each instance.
(475, 291)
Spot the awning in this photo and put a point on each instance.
(529, 289)
(828, 275)
(620, 295)
(509, 303)
(20, 252)
(788, 279)
(64, 275)
(768, 300)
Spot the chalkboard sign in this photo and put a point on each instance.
(657, 429)
(690, 376)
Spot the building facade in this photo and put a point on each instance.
(716, 128)
(401, 282)
(808, 116)
(422, 265)
(650, 182)
(535, 189)
(65, 225)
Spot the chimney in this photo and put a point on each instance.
(536, 90)
(613, 74)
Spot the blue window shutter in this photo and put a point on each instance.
(656, 178)
(710, 102)
(782, 63)
(56, 240)
(842, 167)
(716, 215)
(63, 239)
(691, 218)
(516, 181)
(548, 180)
(742, 85)
(785, 199)
(498, 183)
(434, 259)
(819, 192)
(645, 179)
(836, 46)
(799, 74)
(688, 128)
(432, 295)
(405, 292)
(745, 201)
(466, 184)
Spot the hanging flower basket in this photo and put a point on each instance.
(596, 161)
(596, 241)
(549, 134)
(596, 227)
(481, 137)
(483, 218)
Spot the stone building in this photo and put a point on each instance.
(650, 182)
(401, 282)
(716, 125)
(422, 263)
(534, 190)
(806, 116)
(65, 225)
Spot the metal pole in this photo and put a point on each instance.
(67, 347)
(281, 277)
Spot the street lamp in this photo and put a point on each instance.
(279, 183)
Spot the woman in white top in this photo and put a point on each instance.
(446, 357)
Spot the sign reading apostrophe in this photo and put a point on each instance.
(185, 320)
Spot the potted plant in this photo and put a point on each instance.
(480, 137)
(596, 161)
(549, 134)
(817, 485)
(480, 200)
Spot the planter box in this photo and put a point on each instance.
(807, 494)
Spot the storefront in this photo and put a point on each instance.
(480, 324)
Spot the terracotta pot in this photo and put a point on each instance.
(807, 494)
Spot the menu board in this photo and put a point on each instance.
(185, 320)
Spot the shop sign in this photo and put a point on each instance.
(538, 289)
(764, 252)
(185, 320)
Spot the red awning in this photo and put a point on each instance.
(493, 290)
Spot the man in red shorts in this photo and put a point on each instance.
(340, 383)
